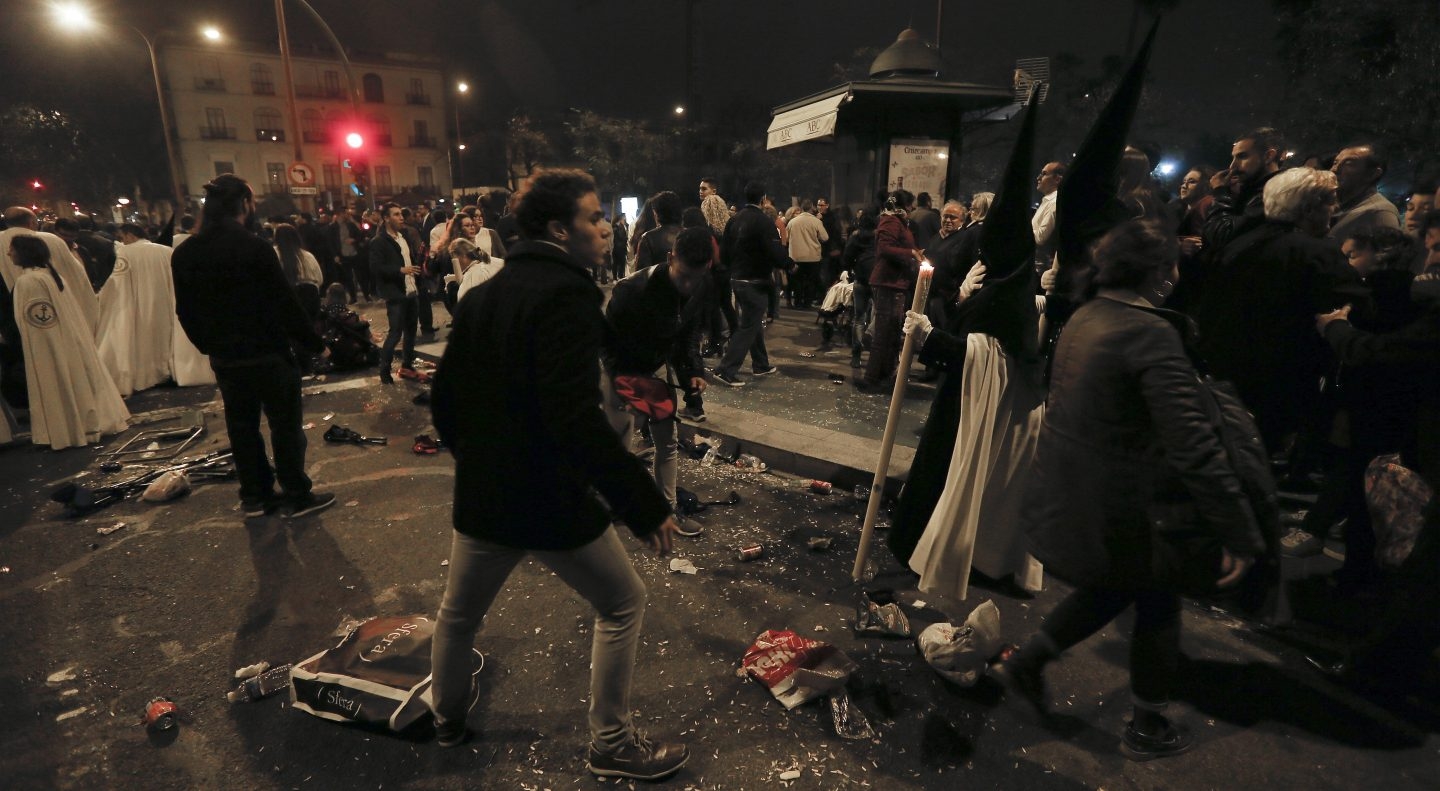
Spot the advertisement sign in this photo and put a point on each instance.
(918, 166)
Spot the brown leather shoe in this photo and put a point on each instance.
(639, 759)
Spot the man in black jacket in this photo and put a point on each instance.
(751, 250)
(396, 281)
(519, 390)
(235, 305)
(656, 316)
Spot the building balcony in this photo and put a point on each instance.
(418, 98)
(215, 84)
(217, 133)
(270, 135)
(315, 137)
(418, 141)
(317, 92)
(262, 88)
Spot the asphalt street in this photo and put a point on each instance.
(184, 593)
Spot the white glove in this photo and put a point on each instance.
(917, 323)
(972, 282)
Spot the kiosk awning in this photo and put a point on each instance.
(814, 121)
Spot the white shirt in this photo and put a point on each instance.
(1043, 223)
(435, 234)
(405, 254)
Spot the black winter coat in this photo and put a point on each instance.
(652, 324)
(517, 400)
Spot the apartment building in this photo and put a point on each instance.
(230, 110)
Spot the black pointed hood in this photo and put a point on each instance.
(1087, 207)
(1007, 243)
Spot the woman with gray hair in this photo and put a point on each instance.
(1302, 197)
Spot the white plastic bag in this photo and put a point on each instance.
(961, 653)
(167, 487)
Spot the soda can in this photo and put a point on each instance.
(820, 487)
(751, 552)
(160, 714)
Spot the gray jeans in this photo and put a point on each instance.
(599, 571)
(666, 434)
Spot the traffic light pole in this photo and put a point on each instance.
(299, 136)
(181, 204)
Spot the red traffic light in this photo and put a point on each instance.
(354, 140)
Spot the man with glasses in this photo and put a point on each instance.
(1043, 223)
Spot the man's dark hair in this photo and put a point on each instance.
(692, 217)
(714, 185)
(1378, 158)
(225, 196)
(1266, 138)
(923, 200)
(1424, 188)
(695, 246)
(1131, 252)
(439, 215)
(134, 230)
(405, 212)
(754, 192)
(1393, 248)
(552, 194)
(1429, 221)
(187, 223)
(67, 225)
(666, 206)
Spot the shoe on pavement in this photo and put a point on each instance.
(254, 509)
(688, 527)
(1172, 740)
(764, 371)
(385, 378)
(311, 504)
(452, 734)
(1299, 544)
(729, 380)
(415, 376)
(639, 759)
(694, 414)
(1027, 679)
(855, 360)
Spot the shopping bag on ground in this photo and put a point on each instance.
(376, 675)
(796, 669)
(961, 653)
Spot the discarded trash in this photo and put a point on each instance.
(308, 426)
(425, 445)
(351, 503)
(111, 466)
(790, 774)
(445, 562)
(714, 457)
(251, 671)
(821, 487)
(808, 355)
(862, 492)
(796, 669)
(160, 714)
(261, 686)
(837, 379)
(872, 617)
(682, 566)
(328, 417)
(689, 503)
(169, 486)
(746, 461)
(750, 552)
(79, 500)
(848, 719)
(820, 543)
(343, 434)
(4, 569)
(105, 531)
(918, 604)
(962, 653)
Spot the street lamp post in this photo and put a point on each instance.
(463, 88)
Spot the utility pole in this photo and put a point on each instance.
(298, 136)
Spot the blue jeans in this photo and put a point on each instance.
(751, 299)
(402, 315)
(599, 571)
(272, 386)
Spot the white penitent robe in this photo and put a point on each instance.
(187, 364)
(976, 522)
(137, 317)
(73, 400)
(77, 281)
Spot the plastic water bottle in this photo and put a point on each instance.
(262, 686)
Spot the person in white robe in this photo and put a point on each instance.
(73, 400)
(21, 221)
(137, 314)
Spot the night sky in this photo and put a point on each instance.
(624, 57)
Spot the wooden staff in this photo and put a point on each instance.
(882, 467)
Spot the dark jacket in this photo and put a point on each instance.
(386, 261)
(1126, 434)
(233, 300)
(517, 399)
(655, 246)
(1232, 215)
(316, 239)
(652, 324)
(952, 256)
(859, 258)
(895, 264)
(1257, 321)
(751, 247)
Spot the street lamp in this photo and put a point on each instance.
(458, 175)
(75, 16)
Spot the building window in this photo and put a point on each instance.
(374, 88)
(313, 127)
(274, 177)
(262, 83)
(417, 93)
(426, 176)
(222, 167)
(380, 130)
(422, 138)
(332, 177)
(332, 85)
(215, 128)
(268, 126)
(383, 184)
(208, 76)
